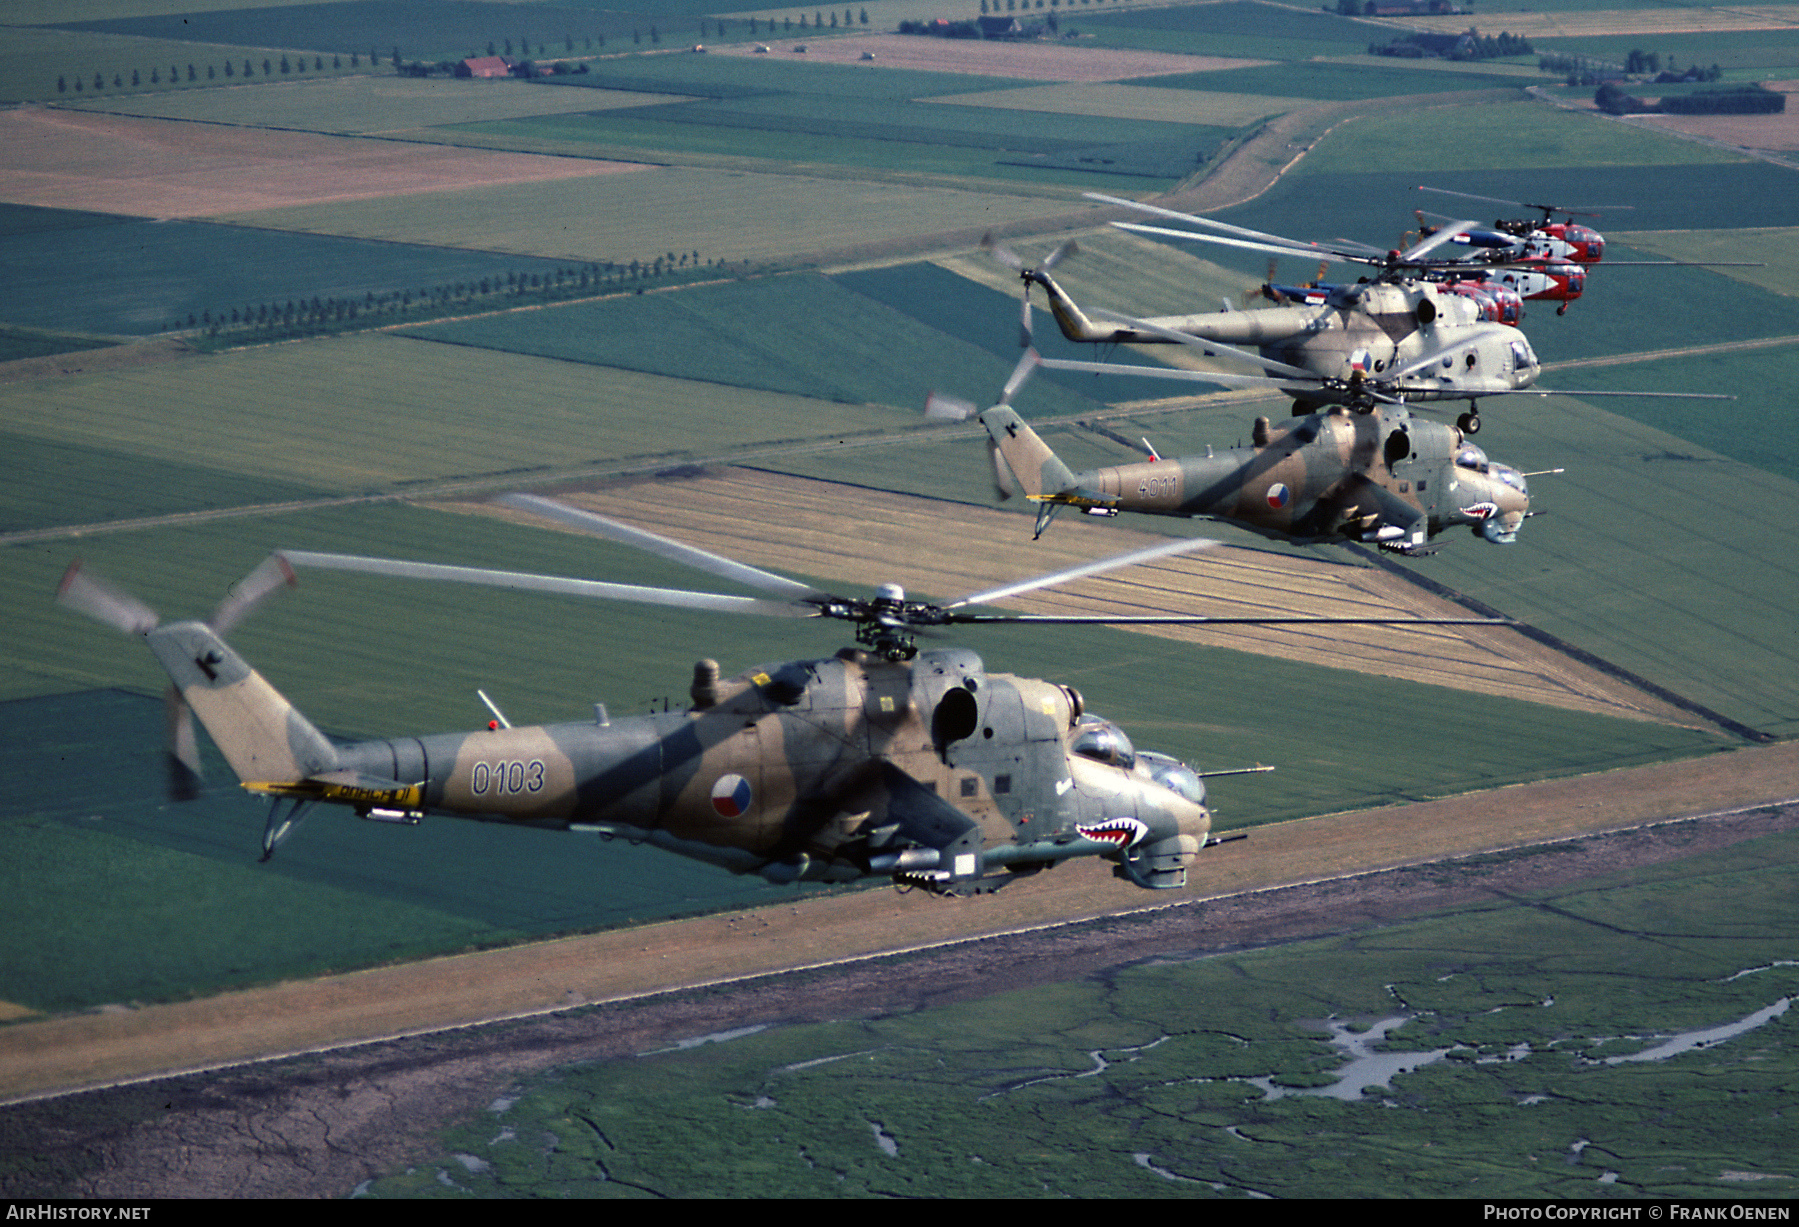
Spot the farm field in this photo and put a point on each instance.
(1578, 20)
(1133, 102)
(1749, 131)
(1354, 77)
(370, 412)
(428, 30)
(366, 104)
(156, 168)
(1025, 60)
(723, 409)
(1235, 28)
(145, 277)
(727, 215)
(337, 649)
(34, 60)
(1526, 1037)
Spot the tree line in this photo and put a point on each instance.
(285, 65)
(307, 317)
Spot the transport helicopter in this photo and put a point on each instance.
(882, 761)
(1400, 334)
(1407, 335)
(1374, 473)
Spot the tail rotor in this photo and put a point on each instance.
(1012, 260)
(89, 593)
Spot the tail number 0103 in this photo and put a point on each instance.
(500, 779)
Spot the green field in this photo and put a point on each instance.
(369, 413)
(1354, 78)
(1745, 55)
(364, 103)
(138, 277)
(1240, 30)
(1532, 1022)
(724, 215)
(34, 60)
(352, 893)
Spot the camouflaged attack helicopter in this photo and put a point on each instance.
(1412, 332)
(882, 761)
(1371, 473)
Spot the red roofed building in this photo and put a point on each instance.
(486, 66)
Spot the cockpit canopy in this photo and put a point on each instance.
(1103, 742)
(1507, 474)
(1470, 457)
(1173, 775)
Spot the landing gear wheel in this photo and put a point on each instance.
(1469, 423)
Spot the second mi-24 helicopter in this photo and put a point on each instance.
(1371, 473)
(1402, 335)
(923, 767)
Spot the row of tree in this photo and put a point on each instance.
(286, 66)
(1012, 6)
(301, 317)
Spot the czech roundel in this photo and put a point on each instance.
(731, 796)
(1279, 495)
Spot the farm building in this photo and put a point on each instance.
(486, 66)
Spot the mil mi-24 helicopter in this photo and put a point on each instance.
(1403, 336)
(1374, 474)
(883, 761)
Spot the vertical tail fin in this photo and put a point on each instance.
(1040, 472)
(262, 735)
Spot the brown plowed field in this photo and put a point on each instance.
(1611, 22)
(1028, 61)
(1779, 132)
(944, 550)
(167, 168)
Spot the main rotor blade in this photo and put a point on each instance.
(1179, 545)
(270, 577)
(1443, 191)
(1205, 346)
(593, 588)
(1221, 378)
(1283, 249)
(941, 408)
(1444, 234)
(1193, 219)
(1202, 620)
(84, 591)
(1578, 393)
(662, 547)
(1027, 366)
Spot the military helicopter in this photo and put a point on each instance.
(1401, 334)
(1544, 259)
(881, 761)
(1372, 473)
(1408, 335)
(1541, 238)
